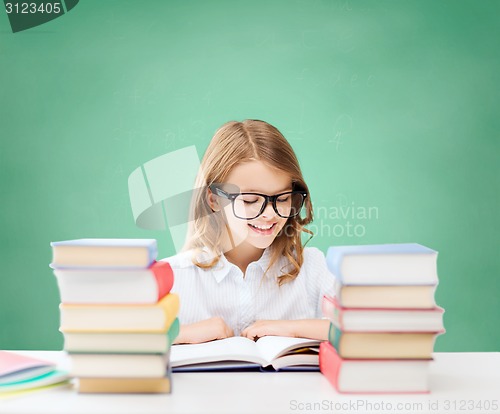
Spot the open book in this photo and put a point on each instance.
(269, 352)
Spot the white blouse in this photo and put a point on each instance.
(223, 291)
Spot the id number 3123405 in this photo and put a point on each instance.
(32, 8)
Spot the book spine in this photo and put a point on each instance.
(164, 277)
(173, 332)
(169, 306)
(333, 261)
(334, 337)
(152, 252)
(329, 363)
(332, 310)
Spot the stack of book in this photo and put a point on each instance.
(118, 316)
(383, 319)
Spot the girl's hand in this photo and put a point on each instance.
(269, 327)
(303, 328)
(204, 331)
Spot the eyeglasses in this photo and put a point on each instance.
(248, 206)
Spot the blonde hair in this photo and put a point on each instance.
(235, 143)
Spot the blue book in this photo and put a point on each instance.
(104, 253)
(383, 264)
(46, 380)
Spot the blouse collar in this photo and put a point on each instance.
(224, 266)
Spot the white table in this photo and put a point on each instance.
(458, 380)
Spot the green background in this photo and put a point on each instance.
(390, 105)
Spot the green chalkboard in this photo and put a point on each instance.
(391, 106)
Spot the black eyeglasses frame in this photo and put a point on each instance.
(268, 198)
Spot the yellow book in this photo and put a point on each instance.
(120, 318)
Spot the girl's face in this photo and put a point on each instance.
(255, 177)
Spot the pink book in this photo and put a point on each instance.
(16, 367)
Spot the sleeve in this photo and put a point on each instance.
(321, 280)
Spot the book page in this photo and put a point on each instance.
(304, 360)
(236, 348)
(273, 347)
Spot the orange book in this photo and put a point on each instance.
(125, 385)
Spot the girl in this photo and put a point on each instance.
(244, 270)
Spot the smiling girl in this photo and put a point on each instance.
(244, 270)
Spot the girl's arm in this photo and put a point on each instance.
(203, 331)
(301, 328)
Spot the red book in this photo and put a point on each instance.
(382, 320)
(115, 286)
(373, 376)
